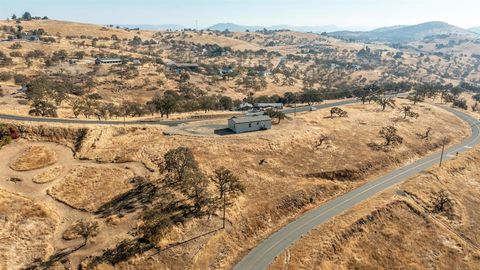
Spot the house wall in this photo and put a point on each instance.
(249, 127)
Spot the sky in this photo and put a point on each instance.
(189, 13)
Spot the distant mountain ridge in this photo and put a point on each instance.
(160, 27)
(243, 28)
(405, 33)
(398, 33)
(475, 29)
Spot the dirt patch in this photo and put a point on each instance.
(26, 229)
(48, 176)
(75, 230)
(89, 187)
(35, 157)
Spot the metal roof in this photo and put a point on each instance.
(269, 104)
(109, 59)
(250, 119)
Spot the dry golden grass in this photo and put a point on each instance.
(279, 189)
(64, 28)
(398, 228)
(35, 157)
(48, 176)
(26, 231)
(89, 187)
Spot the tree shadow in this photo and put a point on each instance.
(170, 246)
(137, 198)
(59, 256)
(223, 132)
(377, 147)
(130, 248)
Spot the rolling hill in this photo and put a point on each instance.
(243, 28)
(406, 33)
(475, 29)
(160, 27)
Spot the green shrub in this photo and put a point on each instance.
(5, 76)
(20, 79)
(5, 137)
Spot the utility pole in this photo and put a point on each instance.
(444, 141)
(224, 207)
(441, 156)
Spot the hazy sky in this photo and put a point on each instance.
(365, 13)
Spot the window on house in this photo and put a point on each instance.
(250, 125)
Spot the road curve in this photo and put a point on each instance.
(90, 122)
(170, 123)
(262, 255)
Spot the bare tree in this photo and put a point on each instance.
(339, 112)
(87, 229)
(442, 203)
(425, 136)
(321, 140)
(389, 133)
(385, 102)
(407, 112)
(228, 186)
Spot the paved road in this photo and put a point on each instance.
(91, 122)
(261, 256)
(170, 123)
(321, 106)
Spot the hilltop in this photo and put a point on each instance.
(407, 33)
(252, 28)
(475, 29)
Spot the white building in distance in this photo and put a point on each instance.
(249, 123)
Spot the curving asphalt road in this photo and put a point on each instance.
(261, 256)
(170, 123)
(90, 122)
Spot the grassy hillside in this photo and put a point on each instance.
(408, 33)
(407, 223)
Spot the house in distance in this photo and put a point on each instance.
(100, 61)
(180, 67)
(267, 106)
(249, 123)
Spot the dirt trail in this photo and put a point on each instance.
(108, 234)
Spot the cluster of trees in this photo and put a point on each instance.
(46, 94)
(197, 193)
(27, 16)
(374, 92)
(309, 96)
(7, 134)
(187, 100)
(367, 54)
(447, 92)
(166, 104)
